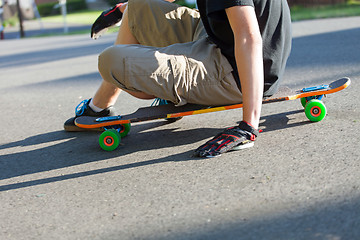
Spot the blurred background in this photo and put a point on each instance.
(46, 15)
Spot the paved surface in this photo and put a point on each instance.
(34, 28)
(300, 181)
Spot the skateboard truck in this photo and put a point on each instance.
(316, 88)
(312, 89)
(106, 119)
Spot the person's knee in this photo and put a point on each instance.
(104, 59)
(109, 64)
(112, 69)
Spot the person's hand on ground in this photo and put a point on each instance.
(234, 138)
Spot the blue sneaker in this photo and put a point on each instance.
(159, 102)
(83, 109)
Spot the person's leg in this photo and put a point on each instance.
(194, 72)
(108, 93)
(187, 28)
(145, 23)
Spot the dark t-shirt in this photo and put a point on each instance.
(275, 27)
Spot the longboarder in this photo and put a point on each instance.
(229, 51)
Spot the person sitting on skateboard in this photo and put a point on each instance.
(226, 52)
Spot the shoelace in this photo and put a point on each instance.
(158, 102)
(80, 109)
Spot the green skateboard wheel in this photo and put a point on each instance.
(109, 140)
(315, 110)
(303, 101)
(125, 129)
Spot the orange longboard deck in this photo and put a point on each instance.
(170, 111)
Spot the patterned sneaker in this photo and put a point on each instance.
(159, 102)
(83, 109)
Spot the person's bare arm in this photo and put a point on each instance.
(249, 60)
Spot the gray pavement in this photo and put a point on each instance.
(300, 181)
(35, 28)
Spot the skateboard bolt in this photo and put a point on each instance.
(316, 111)
(109, 140)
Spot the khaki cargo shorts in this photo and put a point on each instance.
(174, 61)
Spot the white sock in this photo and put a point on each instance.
(94, 108)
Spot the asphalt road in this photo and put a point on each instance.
(300, 181)
(35, 28)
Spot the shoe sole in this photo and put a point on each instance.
(245, 145)
(78, 129)
(248, 144)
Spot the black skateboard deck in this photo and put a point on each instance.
(119, 126)
(170, 111)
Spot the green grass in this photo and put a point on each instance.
(352, 8)
(83, 17)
